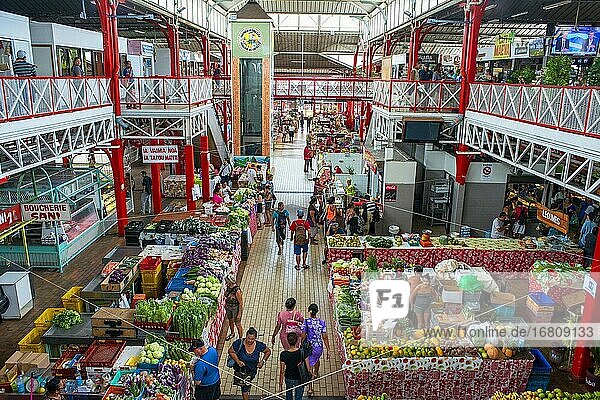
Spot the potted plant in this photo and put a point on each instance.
(557, 71)
(592, 376)
(592, 77)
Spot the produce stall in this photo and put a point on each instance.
(496, 255)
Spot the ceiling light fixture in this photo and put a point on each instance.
(493, 21)
(555, 5)
(491, 7)
(138, 31)
(520, 14)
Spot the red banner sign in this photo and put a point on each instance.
(10, 216)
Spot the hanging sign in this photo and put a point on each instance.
(160, 154)
(590, 285)
(428, 59)
(46, 212)
(555, 219)
(536, 47)
(10, 216)
(487, 169)
(503, 45)
(391, 192)
(370, 159)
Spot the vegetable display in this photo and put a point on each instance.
(178, 350)
(208, 287)
(380, 242)
(190, 318)
(67, 319)
(344, 241)
(194, 226)
(243, 194)
(545, 394)
(154, 310)
(152, 353)
(117, 276)
(346, 307)
(238, 219)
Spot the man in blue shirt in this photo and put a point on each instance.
(206, 374)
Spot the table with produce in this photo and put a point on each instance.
(414, 366)
(498, 255)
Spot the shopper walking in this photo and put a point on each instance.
(300, 228)
(289, 360)
(207, 379)
(234, 306)
(314, 330)
(246, 355)
(287, 321)
(225, 173)
(146, 193)
(260, 208)
(590, 247)
(281, 220)
(308, 155)
(587, 226)
(269, 200)
(313, 219)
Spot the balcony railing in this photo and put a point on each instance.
(165, 92)
(326, 88)
(23, 98)
(417, 96)
(572, 109)
(221, 86)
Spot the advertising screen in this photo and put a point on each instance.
(582, 40)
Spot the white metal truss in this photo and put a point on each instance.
(322, 88)
(221, 88)
(165, 92)
(28, 150)
(401, 95)
(572, 167)
(158, 127)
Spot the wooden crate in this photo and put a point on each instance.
(106, 286)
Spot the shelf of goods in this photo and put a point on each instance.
(495, 255)
(410, 364)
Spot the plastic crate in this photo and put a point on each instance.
(505, 311)
(154, 325)
(33, 342)
(151, 277)
(66, 366)
(120, 373)
(150, 263)
(102, 353)
(72, 301)
(177, 285)
(44, 321)
(151, 367)
(152, 292)
(540, 373)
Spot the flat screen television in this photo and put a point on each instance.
(581, 40)
(421, 131)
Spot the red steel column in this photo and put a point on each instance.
(413, 50)
(225, 122)
(591, 314)
(206, 54)
(107, 11)
(204, 168)
(189, 176)
(173, 41)
(156, 182)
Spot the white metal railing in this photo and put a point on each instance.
(285, 87)
(165, 91)
(417, 96)
(22, 98)
(568, 108)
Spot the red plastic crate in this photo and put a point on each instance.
(61, 372)
(102, 353)
(113, 390)
(150, 263)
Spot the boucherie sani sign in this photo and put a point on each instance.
(46, 212)
(160, 154)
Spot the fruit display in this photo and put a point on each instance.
(545, 394)
(67, 319)
(344, 241)
(117, 276)
(379, 242)
(383, 396)
(491, 352)
(398, 241)
(153, 310)
(152, 353)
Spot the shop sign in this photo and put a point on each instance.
(10, 216)
(555, 219)
(147, 49)
(391, 193)
(487, 169)
(428, 58)
(134, 47)
(536, 48)
(590, 285)
(485, 53)
(450, 59)
(503, 45)
(370, 159)
(160, 154)
(521, 50)
(46, 212)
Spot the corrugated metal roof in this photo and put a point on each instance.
(345, 7)
(252, 10)
(291, 63)
(315, 42)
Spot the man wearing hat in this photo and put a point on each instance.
(21, 67)
(206, 374)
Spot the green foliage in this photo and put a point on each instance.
(593, 75)
(558, 71)
(524, 75)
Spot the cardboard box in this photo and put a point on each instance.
(14, 359)
(8, 373)
(27, 362)
(42, 360)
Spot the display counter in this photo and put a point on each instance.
(92, 293)
(56, 339)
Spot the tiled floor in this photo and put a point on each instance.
(268, 280)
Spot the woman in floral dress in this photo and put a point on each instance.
(315, 331)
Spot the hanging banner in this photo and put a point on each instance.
(391, 193)
(503, 45)
(555, 219)
(46, 212)
(430, 59)
(536, 48)
(10, 216)
(160, 154)
(487, 169)
(370, 159)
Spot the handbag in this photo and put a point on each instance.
(241, 377)
(230, 360)
(305, 376)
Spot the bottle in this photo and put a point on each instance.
(20, 384)
(78, 379)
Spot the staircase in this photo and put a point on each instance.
(216, 133)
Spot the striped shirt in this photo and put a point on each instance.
(370, 207)
(23, 68)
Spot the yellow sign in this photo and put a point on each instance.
(502, 46)
(555, 219)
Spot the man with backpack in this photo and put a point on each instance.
(281, 219)
(300, 229)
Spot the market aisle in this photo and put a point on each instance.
(269, 279)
